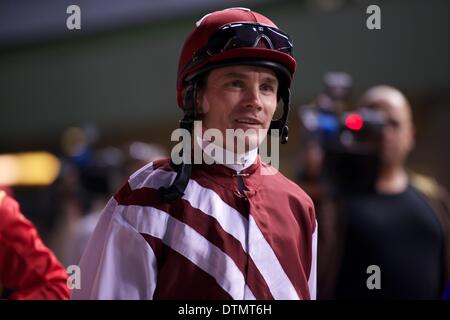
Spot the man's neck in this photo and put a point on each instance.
(237, 162)
(392, 180)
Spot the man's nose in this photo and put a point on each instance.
(252, 97)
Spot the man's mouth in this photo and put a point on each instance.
(248, 121)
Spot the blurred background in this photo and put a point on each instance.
(84, 108)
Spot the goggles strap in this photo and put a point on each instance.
(281, 124)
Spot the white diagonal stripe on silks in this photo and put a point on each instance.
(192, 245)
(105, 264)
(232, 222)
(210, 203)
(138, 179)
(268, 264)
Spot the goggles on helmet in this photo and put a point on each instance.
(243, 35)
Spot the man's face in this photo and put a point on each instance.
(398, 137)
(239, 97)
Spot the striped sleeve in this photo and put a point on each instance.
(118, 263)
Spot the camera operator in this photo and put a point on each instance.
(401, 225)
(319, 123)
(320, 127)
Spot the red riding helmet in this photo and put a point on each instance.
(234, 36)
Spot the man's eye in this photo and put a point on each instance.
(268, 88)
(393, 124)
(236, 84)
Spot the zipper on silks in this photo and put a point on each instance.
(241, 187)
(240, 183)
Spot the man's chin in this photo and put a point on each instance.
(244, 145)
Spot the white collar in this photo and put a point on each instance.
(223, 156)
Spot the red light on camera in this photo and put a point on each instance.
(354, 122)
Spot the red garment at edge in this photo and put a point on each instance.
(27, 266)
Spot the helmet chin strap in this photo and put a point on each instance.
(281, 124)
(184, 170)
